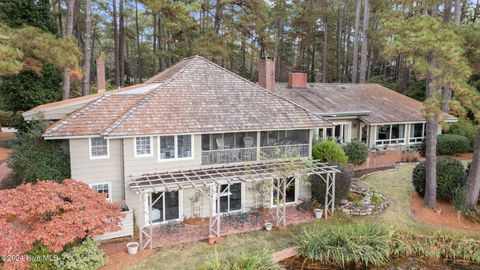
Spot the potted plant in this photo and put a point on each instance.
(132, 248)
(318, 213)
(212, 239)
(268, 226)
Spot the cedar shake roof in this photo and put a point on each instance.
(94, 117)
(378, 104)
(193, 96)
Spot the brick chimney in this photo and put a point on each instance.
(297, 80)
(101, 75)
(266, 73)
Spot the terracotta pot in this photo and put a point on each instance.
(212, 239)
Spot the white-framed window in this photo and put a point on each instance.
(340, 132)
(291, 195)
(175, 147)
(104, 188)
(417, 133)
(143, 146)
(390, 134)
(230, 198)
(99, 148)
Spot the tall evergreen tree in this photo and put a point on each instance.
(28, 89)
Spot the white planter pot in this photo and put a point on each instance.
(132, 248)
(268, 226)
(318, 213)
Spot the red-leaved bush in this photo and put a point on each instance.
(55, 214)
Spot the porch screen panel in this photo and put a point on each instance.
(298, 136)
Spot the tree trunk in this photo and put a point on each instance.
(363, 60)
(154, 39)
(339, 42)
(355, 42)
(325, 52)
(458, 12)
(68, 34)
(139, 74)
(115, 41)
(121, 44)
(87, 49)
(218, 16)
(473, 180)
(447, 12)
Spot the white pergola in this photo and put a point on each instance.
(209, 180)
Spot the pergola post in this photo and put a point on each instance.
(214, 221)
(150, 223)
(142, 218)
(329, 194)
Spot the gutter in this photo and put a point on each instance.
(339, 114)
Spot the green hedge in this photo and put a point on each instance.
(357, 152)
(84, 256)
(450, 175)
(343, 182)
(448, 144)
(463, 127)
(329, 151)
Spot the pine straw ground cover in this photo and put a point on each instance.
(395, 184)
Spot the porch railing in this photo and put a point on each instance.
(229, 156)
(283, 151)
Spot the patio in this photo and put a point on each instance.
(178, 233)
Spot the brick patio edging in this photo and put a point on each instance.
(284, 254)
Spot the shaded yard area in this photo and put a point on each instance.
(394, 184)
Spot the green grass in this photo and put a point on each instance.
(394, 184)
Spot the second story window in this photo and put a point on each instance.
(143, 146)
(99, 148)
(176, 147)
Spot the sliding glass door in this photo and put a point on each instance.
(165, 206)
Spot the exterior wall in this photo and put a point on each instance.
(118, 166)
(90, 171)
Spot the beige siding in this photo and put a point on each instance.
(92, 171)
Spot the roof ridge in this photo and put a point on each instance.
(260, 87)
(122, 118)
(77, 113)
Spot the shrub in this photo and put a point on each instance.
(42, 258)
(463, 127)
(33, 158)
(450, 175)
(6, 118)
(82, 257)
(343, 182)
(473, 215)
(329, 151)
(357, 152)
(448, 144)
(350, 245)
(259, 261)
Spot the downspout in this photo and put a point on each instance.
(122, 160)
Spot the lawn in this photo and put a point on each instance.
(395, 184)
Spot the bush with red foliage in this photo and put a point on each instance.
(52, 213)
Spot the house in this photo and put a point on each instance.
(196, 139)
(194, 130)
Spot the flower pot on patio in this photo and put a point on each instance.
(212, 239)
(268, 226)
(318, 213)
(132, 248)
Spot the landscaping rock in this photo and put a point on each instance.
(364, 206)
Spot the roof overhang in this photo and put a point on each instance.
(343, 114)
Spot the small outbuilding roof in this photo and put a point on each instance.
(372, 103)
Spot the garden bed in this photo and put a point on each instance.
(297, 263)
(363, 202)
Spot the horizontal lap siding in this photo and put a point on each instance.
(92, 171)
